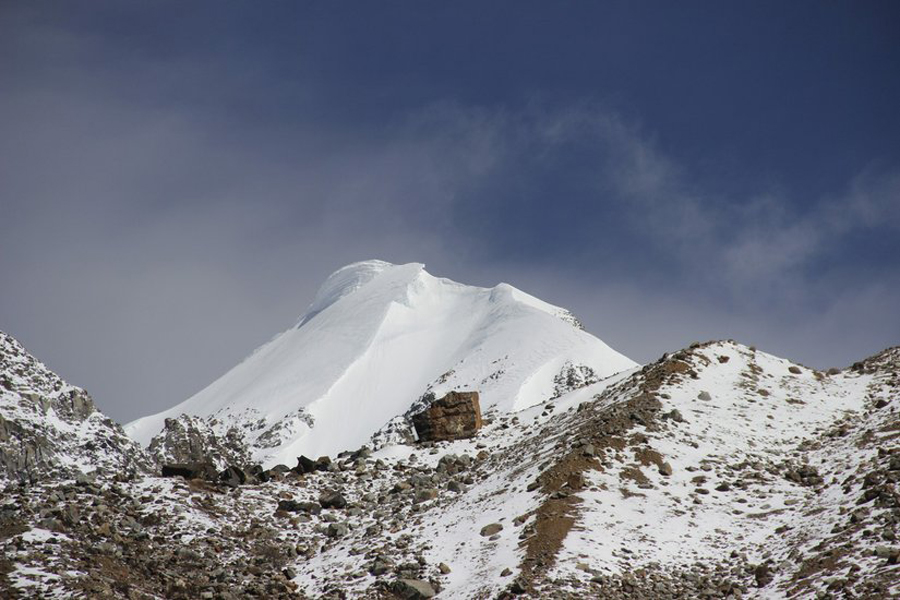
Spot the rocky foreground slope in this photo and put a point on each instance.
(718, 471)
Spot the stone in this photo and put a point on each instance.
(380, 566)
(794, 369)
(455, 416)
(456, 486)
(704, 396)
(205, 471)
(83, 480)
(675, 415)
(763, 575)
(336, 530)
(332, 499)
(256, 474)
(400, 487)
(888, 552)
(293, 506)
(426, 494)
(665, 469)
(444, 568)
(413, 589)
(233, 477)
(489, 530)
(304, 465)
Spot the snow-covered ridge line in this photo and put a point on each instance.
(374, 340)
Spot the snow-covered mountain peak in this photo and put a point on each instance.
(376, 339)
(349, 279)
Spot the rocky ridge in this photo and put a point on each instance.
(50, 428)
(188, 439)
(716, 472)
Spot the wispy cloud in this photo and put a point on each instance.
(150, 237)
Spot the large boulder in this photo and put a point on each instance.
(308, 465)
(332, 499)
(413, 589)
(206, 471)
(455, 416)
(234, 476)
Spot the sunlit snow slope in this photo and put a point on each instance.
(376, 338)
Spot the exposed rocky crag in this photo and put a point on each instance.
(49, 428)
(188, 439)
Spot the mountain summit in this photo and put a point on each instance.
(380, 339)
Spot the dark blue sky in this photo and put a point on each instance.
(177, 178)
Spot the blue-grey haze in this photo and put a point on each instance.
(176, 178)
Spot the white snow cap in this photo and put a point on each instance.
(344, 281)
(378, 336)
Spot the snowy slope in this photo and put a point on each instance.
(718, 471)
(375, 339)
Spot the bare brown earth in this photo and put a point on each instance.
(604, 426)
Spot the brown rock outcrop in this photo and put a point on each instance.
(455, 416)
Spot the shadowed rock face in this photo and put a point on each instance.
(455, 416)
